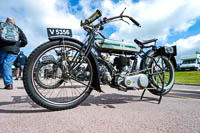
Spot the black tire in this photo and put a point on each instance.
(169, 75)
(35, 90)
(155, 88)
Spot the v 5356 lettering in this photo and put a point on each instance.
(59, 32)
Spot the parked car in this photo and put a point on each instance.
(190, 62)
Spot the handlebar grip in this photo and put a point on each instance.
(93, 17)
(135, 22)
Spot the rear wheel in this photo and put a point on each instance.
(159, 68)
(162, 75)
(51, 76)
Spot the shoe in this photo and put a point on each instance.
(9, 87)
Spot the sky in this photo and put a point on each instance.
(171, 22)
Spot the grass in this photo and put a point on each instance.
(187, 77)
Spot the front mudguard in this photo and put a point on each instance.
(96, 79)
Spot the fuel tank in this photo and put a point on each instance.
(112, 46)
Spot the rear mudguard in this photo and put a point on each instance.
(160, 51)
(171, 56)
(96, 79)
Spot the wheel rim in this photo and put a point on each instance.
(158, 75)
(72, 87)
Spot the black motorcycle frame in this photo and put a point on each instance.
(93, 32)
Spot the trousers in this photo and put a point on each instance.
(6, 62)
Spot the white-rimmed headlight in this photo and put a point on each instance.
(169, 50)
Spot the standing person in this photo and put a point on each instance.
(11, 39)
(19, 63)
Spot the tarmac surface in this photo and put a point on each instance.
(110, 112)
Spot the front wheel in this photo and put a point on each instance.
(51, 76)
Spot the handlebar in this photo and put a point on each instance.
(97, 14)
(106, 20)
(135, 22)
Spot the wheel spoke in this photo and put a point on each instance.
(79, 81)
(162, 73)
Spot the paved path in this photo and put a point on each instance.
(110, 112)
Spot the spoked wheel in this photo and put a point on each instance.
(52, 75)
(162, 75)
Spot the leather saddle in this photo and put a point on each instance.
(143, 42)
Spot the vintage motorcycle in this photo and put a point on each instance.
(61, 73)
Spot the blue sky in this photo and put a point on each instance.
(193, 30)
(173, 23)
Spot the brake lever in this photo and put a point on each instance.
(125, 21)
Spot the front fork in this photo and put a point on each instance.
(78, 58)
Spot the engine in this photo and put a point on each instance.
(121, 79)
(121, 62)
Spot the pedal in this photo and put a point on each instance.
(121, 88)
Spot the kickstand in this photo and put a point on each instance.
(160, 98)
(142, 94)
(161, 92)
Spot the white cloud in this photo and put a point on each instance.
(33, 17)
(187, 46)
(157, 17)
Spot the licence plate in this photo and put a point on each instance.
(59, 32)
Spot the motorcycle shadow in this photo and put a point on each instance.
(109, 100)
(17, 100)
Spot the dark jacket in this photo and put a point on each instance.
(14, 48)
(20, 60)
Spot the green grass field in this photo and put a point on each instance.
(187, 77)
